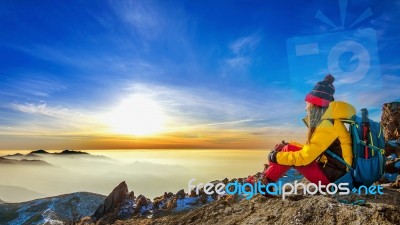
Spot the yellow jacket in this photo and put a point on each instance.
(324, 135)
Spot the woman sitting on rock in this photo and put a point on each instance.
(325, 131)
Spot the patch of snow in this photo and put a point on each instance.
(187, 203)
(49, 216)
(210, 199)
(55, 211)
(393, 143)
(391, 177)
(24, 214)
(127, 209)
(397, 165)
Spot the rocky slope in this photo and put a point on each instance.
(122, 207)
(63, 209)
(295, 210)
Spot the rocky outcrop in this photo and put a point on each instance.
(120, 204)
(110, 210)
(391, 120)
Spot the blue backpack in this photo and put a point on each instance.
(368, 151)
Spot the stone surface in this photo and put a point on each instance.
(113, 201)
(391, 120)
(296, 210)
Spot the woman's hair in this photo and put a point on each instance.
(314, 113)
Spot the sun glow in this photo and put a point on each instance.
(138, 115)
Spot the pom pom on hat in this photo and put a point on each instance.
(322, 93)
(329, 78)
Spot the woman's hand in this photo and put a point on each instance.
(278, 147)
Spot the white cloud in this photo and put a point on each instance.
(37, 85)
(144, 16)
(52, 120)
(245, 44)
(239, 61)
(42, 109)
(241, 50)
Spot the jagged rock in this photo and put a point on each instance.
(203, 197)
(168, 195)
(157, 203)
(119, 204)
(171, 204)
(113, 201)
(141, 201)
(193, 193)
(180, 194)
(391, 120)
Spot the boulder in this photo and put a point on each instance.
(168, 195)
(141, 201)
(180, 194)
(171, 204)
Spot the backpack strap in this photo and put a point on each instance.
(357, 137)
(335, 156)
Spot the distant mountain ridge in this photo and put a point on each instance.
(39, 154)
(40, 151)
(65, 152)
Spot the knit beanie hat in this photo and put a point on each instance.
(323, 91)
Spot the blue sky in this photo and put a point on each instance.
(223, 73)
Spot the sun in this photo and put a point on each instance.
(137, 115)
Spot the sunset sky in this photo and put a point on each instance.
(186, 74)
